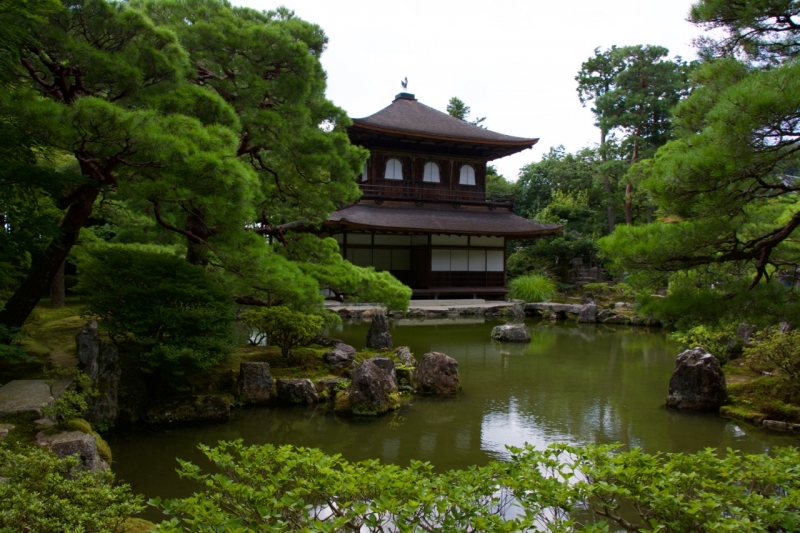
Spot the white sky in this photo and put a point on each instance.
(513, 61)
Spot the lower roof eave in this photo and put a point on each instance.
(343, 226)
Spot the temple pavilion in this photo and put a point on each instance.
(424, 214)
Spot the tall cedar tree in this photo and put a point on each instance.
(632, 89)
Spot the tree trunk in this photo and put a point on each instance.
(57, 289)
(609, 209)
(607, 183)
(197, 254)
(628, 203)
(629, 187)
(44, 265)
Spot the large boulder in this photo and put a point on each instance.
(341, 356)
(437, 373)
(255, 383)
(297, 391)
(378, 336)
(193, 409)
(373, 390)
(697, 384)
(67, 443)
(99, 361)
(511, 333)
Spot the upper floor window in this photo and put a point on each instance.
(394, 170)
(364, 174)
(467, 175)
(431, 173)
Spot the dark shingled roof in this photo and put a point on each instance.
(430, 219)
(408, 115)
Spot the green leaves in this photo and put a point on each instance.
(283, 327)
(563, 488)
(44, 493)
(176, 313)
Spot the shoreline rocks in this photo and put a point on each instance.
(297, 391)
(373, 390)
(255, 384)
(697, 384)
(100, 361)
(67, 443)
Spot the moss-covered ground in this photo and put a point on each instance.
(755, 397)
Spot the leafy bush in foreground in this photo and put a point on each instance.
(44, 493)
(533, 288)
(563, 488)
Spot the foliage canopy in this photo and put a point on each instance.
(562, 488)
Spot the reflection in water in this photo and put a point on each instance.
(573, 383)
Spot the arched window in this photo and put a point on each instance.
(467, 175)
(431, 173)
(364, 175)
(394, 170)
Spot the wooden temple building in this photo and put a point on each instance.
(424, 214)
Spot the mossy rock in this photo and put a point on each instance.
(79, 424)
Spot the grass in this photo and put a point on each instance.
(533, 288)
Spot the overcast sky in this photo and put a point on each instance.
(513, 62)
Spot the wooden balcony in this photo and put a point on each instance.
(422, 194)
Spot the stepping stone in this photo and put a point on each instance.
(28, 395)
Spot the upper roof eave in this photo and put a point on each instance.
(521, 143)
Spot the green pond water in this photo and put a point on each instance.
(572, 383)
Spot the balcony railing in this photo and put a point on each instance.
(427, 194)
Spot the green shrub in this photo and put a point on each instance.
(599, 288)
(180, 318)
(44, 493)
(283, 327)
(73, 402)
(714, 339)
(563, 488)
(777, 351)
(533, 288)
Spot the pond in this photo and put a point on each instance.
(575, 383)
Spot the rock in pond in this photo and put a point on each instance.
(437, 373)
(511, 333)
(378, 336)
(697, 384)
(373, 390)
(67, 443)
(297, 391)
(99, 360)
(255, 383)
(341, 356)
(208, 408)
(403, 353)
